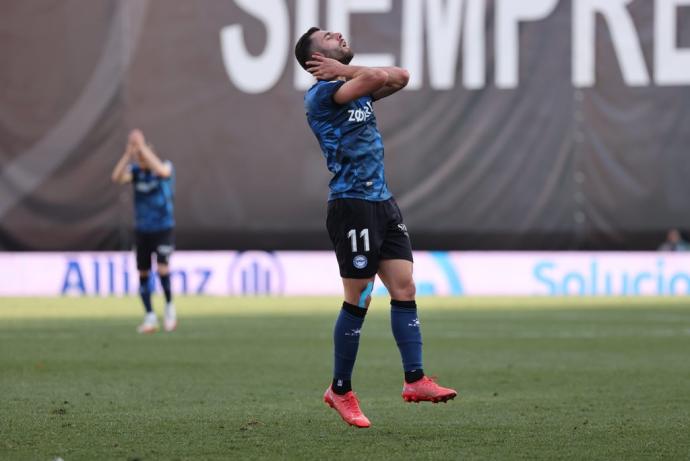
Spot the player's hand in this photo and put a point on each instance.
(324, 68)
(136, 137)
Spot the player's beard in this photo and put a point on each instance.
(347, 57)
(343, 55)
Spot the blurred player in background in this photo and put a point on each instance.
(364, 221)
(674, 242)
(154, 185)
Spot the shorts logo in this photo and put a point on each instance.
(360, 261)
(403, 228)
(164, 250)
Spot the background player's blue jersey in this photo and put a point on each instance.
(350, 141)
(153, 200)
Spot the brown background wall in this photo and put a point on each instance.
(545, 165)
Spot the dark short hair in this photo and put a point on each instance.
(303, 48)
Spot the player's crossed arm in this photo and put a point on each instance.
(397, 80)
(121, 173)
(138, 150)
(361, 81)
(160, 168)
(149, 158)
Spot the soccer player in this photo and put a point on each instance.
(364, 221)
(154, 184)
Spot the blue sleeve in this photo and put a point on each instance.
(321, 99)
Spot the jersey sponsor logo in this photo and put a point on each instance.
(360, 261)
(146, 186)
(361, 115)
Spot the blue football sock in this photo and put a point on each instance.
(165, 284)
(145, 292)
(407, 333)
(346, 343)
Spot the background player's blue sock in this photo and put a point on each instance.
(408, 336)
(145, 292)
(165, 284)
(346, 343)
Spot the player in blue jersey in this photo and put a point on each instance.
(154, 186)
(364, 222)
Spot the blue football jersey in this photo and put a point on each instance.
(153, 200)
(350, 141)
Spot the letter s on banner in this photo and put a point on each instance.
(543, 278)
(257, 74)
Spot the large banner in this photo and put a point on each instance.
(540, 124)
(258, 273)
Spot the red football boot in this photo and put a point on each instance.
(347, 406)
(426, 390)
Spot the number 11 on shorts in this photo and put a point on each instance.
(364, 235)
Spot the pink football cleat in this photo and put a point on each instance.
(426, 390)
(347, 406)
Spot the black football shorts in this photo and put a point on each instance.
(161, 243)
(365, 232)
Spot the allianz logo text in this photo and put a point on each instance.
(97, 275)
(246, 273)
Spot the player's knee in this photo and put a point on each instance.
(143, 273)
(163, 270)
(404, 292)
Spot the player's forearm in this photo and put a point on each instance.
(153, 161)
(365, 73)
(366, 80)
(120, 168)
(397, 77)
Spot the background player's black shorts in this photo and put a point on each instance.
(162, 243)
(364, 233)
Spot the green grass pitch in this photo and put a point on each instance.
(243, 379)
